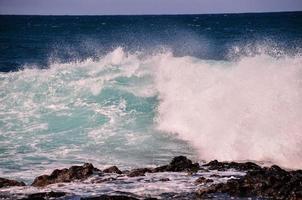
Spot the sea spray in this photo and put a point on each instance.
(245, 110)
(122, 108)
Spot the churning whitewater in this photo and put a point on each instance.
(130, 109)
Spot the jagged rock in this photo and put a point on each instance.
(8, 183)
(164, 179)
(139, 172)
(221, 166)
(203, 180)
(160, 169)
(272, 182)
(216, 176)
(44, 195)
(66, 175)
(209, 190)
(180, 196)
(107, 197)
(125, 171)
(179, 164)
(112, 169)
(102, 180)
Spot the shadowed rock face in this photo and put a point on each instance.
(139, 172)
(272, 182)
(44, 195)
(66, 175)
(179, 164)
(112, 169)
(222, 166)
(8, 183)
(107, 197)
(202, 180)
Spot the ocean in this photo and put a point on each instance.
(137, 90)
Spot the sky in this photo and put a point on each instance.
(120, 7)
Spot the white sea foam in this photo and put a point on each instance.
(250, 109)
(103, 111)
(149, 185)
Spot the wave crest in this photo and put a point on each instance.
(245, 110)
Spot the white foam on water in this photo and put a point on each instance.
(245, 110)
(150, 185)
(91, 111)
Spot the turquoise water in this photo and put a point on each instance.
(94, 111)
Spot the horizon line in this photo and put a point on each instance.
(154, 14)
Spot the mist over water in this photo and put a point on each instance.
(245, 110)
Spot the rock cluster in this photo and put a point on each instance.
(222, 166)
(44, 195)
(112, 169)
(178, 164)
(113, 197)
(66, 175)
(8, 183)
(272, 182)
(139, 172)
(203, 180)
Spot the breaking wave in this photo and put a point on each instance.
(123, 107)
(245, 110)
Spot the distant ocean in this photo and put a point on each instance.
(138, 90)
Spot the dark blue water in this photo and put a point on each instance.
(38, 40)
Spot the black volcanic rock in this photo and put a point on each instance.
(139, 172)
(8, 183)
(202, 180)
(162, 168)
(268, 182)
(272, 182)
(44, 195)
(109, 197)
(222, 166)
(66, 175)
(179, 164)
(164, 179)
(112, 169)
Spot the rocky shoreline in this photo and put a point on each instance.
(257, 182)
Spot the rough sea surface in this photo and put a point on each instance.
(137, 90)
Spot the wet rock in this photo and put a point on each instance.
(125, 171)
(108, 197)
(209, 190)
(139, 172)
(102, 180)
(66, 175)
(164, 179)
(44, 195)
(216, 176)
(8, 183)
(203, 180)
(179, 196)
(160, 169)
(179, 164)
(112, 169)
(222, 166)
(272, 182)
